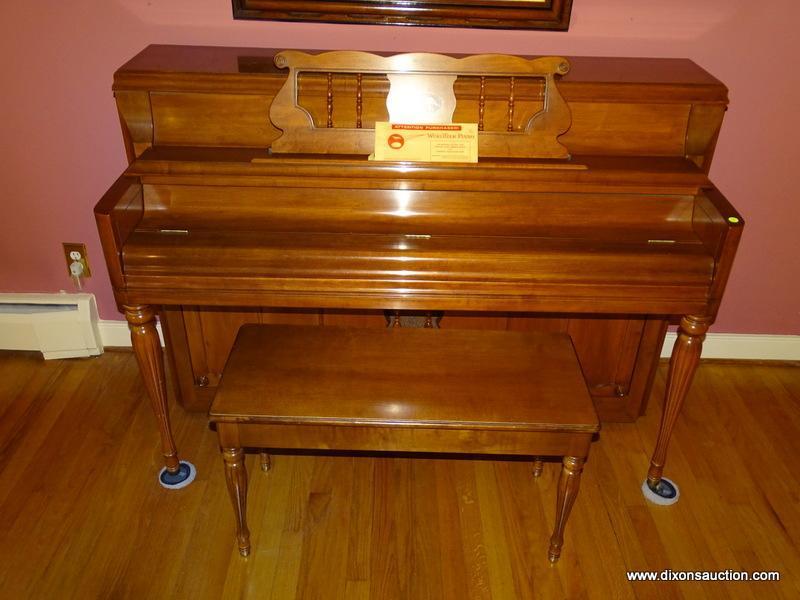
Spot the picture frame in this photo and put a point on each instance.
(487, 14)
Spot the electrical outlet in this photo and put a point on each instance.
(77, 253)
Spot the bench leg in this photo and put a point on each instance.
(568, 485)
(538, 466)
(266, 462)
(236, 477)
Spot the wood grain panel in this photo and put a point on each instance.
(193, 119)
(543, 323)
(219, 327)
(136, 118)
(466, 320)
(616, 128)
(705, 122)
(295, 209)
(353, 318)
(608, 349)
(291, 317)
(597, 128)
(343, 376)
(606, 128)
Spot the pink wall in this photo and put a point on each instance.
(61, 145)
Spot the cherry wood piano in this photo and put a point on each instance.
(250, 198)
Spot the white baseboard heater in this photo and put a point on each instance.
(57, 325)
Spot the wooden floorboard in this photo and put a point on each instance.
(82, 516)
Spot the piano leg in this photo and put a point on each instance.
(147, 348)
(682, 365)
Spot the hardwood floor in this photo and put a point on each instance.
(82, 516)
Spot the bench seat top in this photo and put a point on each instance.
(403, 377)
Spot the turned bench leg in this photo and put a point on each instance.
(236, 478)
(568, 485)
(538, 466)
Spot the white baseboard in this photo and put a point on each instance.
(717, 345)
(117, 334)
(744, 346)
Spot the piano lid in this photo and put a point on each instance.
(209, 97)
(168, 64)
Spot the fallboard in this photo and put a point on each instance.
(422, 212)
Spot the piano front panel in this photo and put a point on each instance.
(428, 273)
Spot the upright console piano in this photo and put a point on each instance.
(250, 197)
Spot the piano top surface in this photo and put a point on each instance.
(166, 59)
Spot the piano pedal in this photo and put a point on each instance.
(666, 492)
(413, 319)
(175, 481)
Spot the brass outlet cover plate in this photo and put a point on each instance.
(69, 248)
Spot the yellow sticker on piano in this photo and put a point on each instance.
(455, 142)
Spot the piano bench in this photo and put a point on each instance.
(403, 390)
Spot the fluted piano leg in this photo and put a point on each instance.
(147, 348)
(682, 366)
